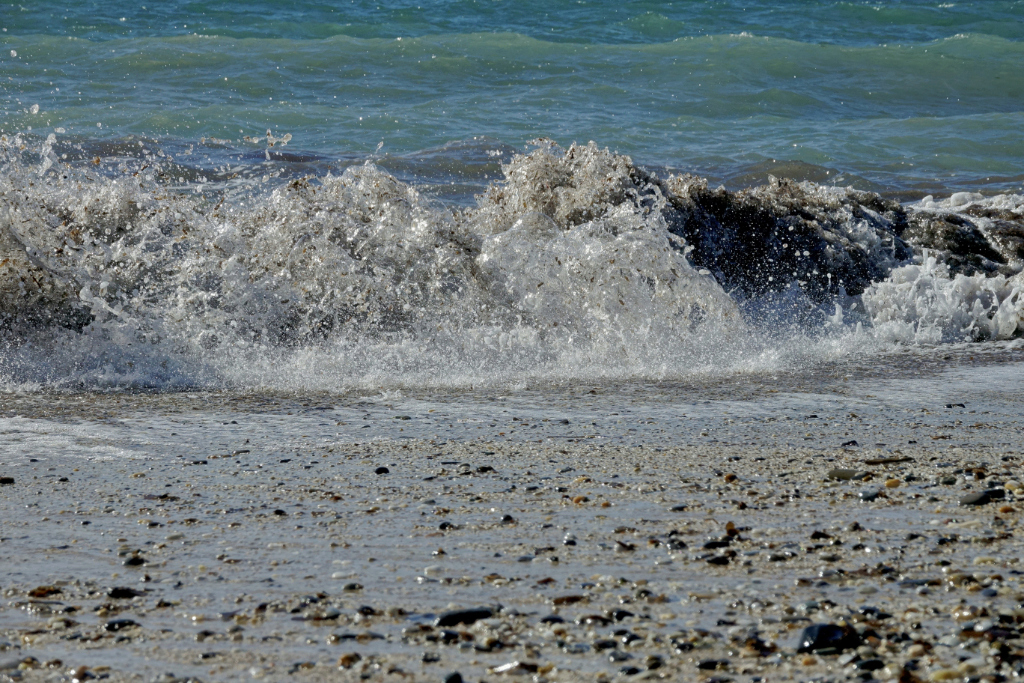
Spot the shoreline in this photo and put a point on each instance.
(359, 563)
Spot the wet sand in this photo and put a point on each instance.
(170, 546)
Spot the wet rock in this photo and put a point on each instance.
(382, 470)
(44, 591)
(516, 668)
(845, 474)
(122, 593)
(870, 664)
(348, 660)
(115, 625)
(869, 495)
(828, 638)
(983, 497)
(785, 228)
(713, 664)
(463, 616)
(453, 677)
(6, 481)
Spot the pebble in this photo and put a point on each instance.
(6, 481)
(382, 470)
(453, 677)
(828, 637)
(463, 616)
(983, 497)
(892, 483)
(869, 495)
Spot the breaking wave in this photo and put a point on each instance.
(578, 265)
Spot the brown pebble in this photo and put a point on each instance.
(579, 500)
(730, 478)
(1006, 509)
(892, 483)
(347, 661)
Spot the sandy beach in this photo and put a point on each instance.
(177, 540)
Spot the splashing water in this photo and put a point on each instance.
(578, 266)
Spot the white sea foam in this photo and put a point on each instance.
(565, 271)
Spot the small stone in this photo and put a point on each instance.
(382, 470)
(841, 474)
(463, 616)
(869, 495)
(870, 664)
(892, 483)
(823, 638)
(983, 497)
(347, 661)
(6, 481)
(712, 664)
(121, 593)
(115, 625)
(453, 677)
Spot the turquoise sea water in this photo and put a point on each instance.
(904, 97)
(184, 200)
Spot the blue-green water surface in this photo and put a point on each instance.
(908, 97)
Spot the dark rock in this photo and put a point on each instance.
(869, 495)
(870, 664)
(453, 677)
(382, 470)
(983, 497)
(6, 481)
(552, 619)
(757, 239)
(825, 638)
(463, 616)
(713, 664)
(960, 243)
(605, 644)
(849, 444)
(115, 625)
(121, 593)
(718, 560)
(135, 561)
(629, 671)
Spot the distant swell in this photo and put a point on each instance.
(577, 265)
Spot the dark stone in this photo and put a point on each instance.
(869, 495)
(552, 619)
(718, 560)
(463, 616)
(448, 636)
(848, 444)
(135, 561)
(280, 513)
(121, 593)
(115, 625)
(629, 671)
(605, 644)
(828, 637)
(870, 664)
(6, 481)
(382, 470)
(712, 664)
(508, 519)
(453, 677)
(983, 497)
(446, 526)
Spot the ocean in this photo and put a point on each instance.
(386, 196)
